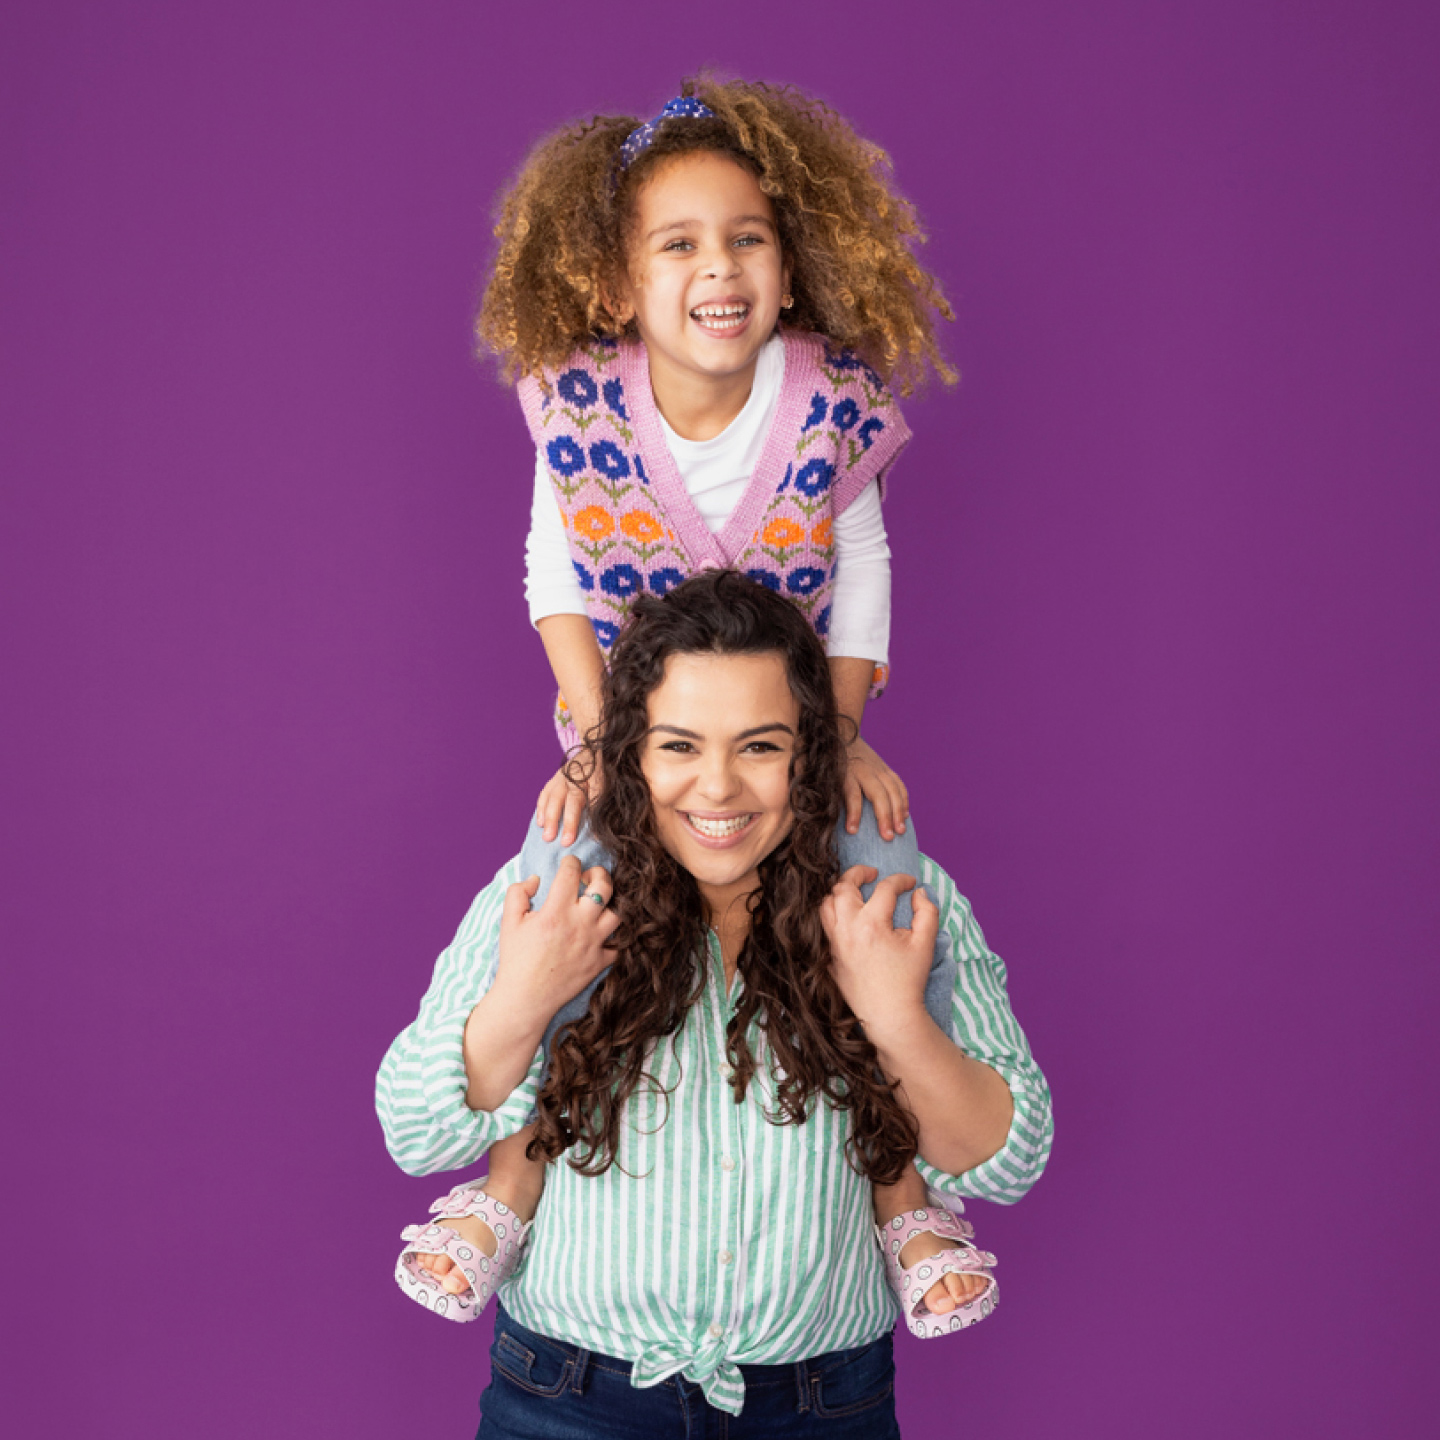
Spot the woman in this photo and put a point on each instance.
(757, 1054)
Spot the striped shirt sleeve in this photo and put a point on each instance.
(984, 1027)
(420, 1090)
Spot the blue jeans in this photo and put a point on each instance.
(890, 857)
(543, 1389)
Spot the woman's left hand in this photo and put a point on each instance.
(881, 971)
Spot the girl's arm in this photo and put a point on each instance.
(867, 776)
(858, 640)
(579, 667)
(557, 610)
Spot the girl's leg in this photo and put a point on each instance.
(516, 1183)
(900, 1199)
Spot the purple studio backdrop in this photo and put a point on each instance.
(1165, 675)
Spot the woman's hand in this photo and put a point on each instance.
(548, 956)
(881, 971)
(869, 776)
(562, 804)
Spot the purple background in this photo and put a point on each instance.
(1165, 675)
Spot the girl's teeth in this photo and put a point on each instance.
(721, 317)
(719, 829)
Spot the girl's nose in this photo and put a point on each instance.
(721, 262)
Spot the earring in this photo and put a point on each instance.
(786, 300)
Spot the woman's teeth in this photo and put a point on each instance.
(719, 829)
(720, 317)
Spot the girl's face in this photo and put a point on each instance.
(717, 759)
(705, 275)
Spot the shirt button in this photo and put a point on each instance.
(726, 1257)
(727, 1162)
(716, 1331)
(727, 1070)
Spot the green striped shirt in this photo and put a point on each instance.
(719, 1238)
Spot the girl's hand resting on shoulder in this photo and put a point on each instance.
(869, 776)
(562, 804)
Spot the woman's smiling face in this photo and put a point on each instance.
(705, 271)
(717, 760)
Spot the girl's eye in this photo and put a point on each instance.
(749, 240)
(678, 245)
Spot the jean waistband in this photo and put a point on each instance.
(753, 1374)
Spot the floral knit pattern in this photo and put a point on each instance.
(629, 520)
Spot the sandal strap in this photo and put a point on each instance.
(471, 1199)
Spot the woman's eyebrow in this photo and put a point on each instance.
(743, 735)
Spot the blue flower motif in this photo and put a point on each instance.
(870, 429)
(606, 632)
(609, 459)
(640, 469)
(615, 398)
(586, 579)
(565, 456)
(662, 582)
(814, 477)
(822, 622)
(764, 577)
(622, 581)
(789, 476)
(845, 414)
(804, 581)
(578, 389)
(817, 412)
(849, 360)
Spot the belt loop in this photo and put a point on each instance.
(802, 1385)
(578, 1368)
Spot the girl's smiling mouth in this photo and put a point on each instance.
(723, 317)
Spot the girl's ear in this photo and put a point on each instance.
(616, 294)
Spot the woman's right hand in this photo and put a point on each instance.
(562, 804)
(548, 956)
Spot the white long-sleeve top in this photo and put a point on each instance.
(715, 473)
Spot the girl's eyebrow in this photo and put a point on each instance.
(764, 220)
(743, 735)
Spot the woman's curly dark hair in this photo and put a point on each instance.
(812, 1038)
(848, 235)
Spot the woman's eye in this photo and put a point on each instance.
(678, 747)
(761, 747)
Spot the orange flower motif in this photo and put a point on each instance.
(593, 523)
(641, 525)
(782, 533)
(823, 532)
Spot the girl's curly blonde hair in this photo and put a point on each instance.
(848, 235)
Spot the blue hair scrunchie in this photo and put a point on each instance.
(639, 140)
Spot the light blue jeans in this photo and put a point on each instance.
(899, 856)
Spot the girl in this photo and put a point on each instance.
(735, 1081)
(700, 310)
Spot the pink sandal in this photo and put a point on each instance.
(910, 1286)
(484, 1272)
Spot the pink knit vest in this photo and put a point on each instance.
(632, 525)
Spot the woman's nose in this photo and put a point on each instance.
(717, 780)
